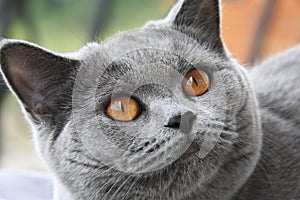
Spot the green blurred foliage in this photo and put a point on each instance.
(64, 26)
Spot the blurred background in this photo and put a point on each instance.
(252, 31)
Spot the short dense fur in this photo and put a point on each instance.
(245, 144)
(276, 83)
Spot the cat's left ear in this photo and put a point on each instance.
(199, 19)
(42, 80)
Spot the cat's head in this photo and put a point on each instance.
(162, 108)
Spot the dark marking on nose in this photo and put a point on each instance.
(181, 121)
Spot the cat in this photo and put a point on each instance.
(162, 112)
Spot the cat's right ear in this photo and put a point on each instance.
(42, 80)
(199, 19)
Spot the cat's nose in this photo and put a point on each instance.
(182, 121)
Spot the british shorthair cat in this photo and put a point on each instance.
(162, 112)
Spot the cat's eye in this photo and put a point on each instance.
(123, 109)
(196, 82)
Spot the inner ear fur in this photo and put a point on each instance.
(42, 80)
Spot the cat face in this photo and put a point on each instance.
(161, 108)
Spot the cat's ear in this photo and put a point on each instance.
(199, 19)
(40, 79)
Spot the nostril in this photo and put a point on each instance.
(174, 122)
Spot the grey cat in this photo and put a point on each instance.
(162, 112)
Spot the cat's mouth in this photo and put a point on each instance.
(194, 147)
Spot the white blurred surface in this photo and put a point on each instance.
(17, 148)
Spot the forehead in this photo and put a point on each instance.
(138, 43)
(163, 47)
(129, 74)
(145, 55)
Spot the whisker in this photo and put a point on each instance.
(116, 180)
(120, 187)
(266, 174)
(131, 186)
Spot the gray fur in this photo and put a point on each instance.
(276, 82)
(94, 157)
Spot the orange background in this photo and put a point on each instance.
(240, 19)
(240, 22)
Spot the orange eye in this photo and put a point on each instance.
(123, 109)
(195, 83)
